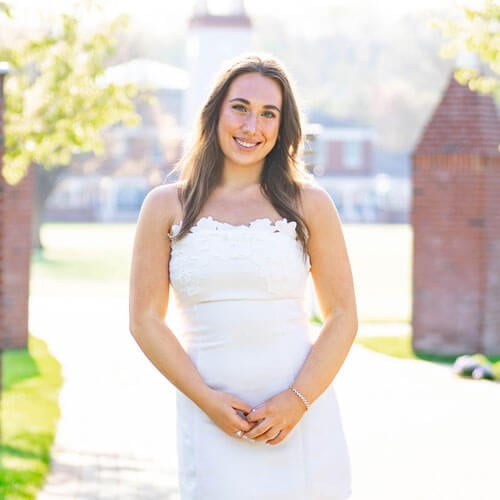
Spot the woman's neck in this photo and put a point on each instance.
(236, 177)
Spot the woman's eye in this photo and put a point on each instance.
(239, 107)
(269, 114)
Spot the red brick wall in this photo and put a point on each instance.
(15, 255)
(491, 326)
(15, 261)
(456, 221)
(449, 258)
(2, 294)
(334, 160)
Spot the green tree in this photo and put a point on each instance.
(58, 103)
(5, 9)
(477, 33)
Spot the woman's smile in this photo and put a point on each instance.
(245, 144)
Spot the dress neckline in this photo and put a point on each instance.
(253, 222)
(260, 223)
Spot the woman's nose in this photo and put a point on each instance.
(250, 124)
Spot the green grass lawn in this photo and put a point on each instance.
(28, 418)
(94, 259)
(399, 346)
(83, 259)
(381, 259)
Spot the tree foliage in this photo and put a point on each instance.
(388, 76)
(477, 33)
(5, 9)
(57, 101)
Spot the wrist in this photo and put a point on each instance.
(300, 397)
(205, 398)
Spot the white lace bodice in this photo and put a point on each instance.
(220, 261)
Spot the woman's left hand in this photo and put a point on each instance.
(276, 417)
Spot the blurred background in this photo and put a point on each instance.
(99, 101)
(368, 75)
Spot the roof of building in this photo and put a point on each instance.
(148, 73)
(463, 122)
(233, 16)
(330, 121)
(217, 21)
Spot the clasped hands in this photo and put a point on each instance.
(270, 421)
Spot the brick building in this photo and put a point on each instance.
(111, 187)
(15, 250)
(456, 222)
(342, 155)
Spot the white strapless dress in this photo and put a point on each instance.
(240, 294)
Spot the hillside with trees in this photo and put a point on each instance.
(387, 75)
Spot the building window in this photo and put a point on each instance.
(352, 154)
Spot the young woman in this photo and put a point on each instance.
(236, 238)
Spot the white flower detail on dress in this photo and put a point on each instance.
(261, 251)
(205, 223)
(289, 228)
(174, 230)
(263, 224)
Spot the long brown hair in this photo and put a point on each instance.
(282, 174)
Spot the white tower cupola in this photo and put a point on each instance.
(213, 39)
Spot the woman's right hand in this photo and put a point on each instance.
(224, 410)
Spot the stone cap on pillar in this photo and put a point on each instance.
(464, 122)
(4, 68)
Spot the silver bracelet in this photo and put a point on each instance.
(301, 397)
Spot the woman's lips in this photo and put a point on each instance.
(245, 144)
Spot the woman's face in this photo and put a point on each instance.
(249, 120)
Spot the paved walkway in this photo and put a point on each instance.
(416, 432)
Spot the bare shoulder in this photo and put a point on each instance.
(164, 196)
(317, 205)
(162, 205)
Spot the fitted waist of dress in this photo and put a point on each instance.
(244, 322)
(249, 348)
(254, 309)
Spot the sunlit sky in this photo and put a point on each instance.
(302, 16)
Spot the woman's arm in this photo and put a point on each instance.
(149, 294)
(331, 273)
(332, 277)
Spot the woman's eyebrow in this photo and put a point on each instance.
(247, 102)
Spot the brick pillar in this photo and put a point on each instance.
(16, 260)
(15, 255)
(491, 325)
(3, 72)
(456, 223)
